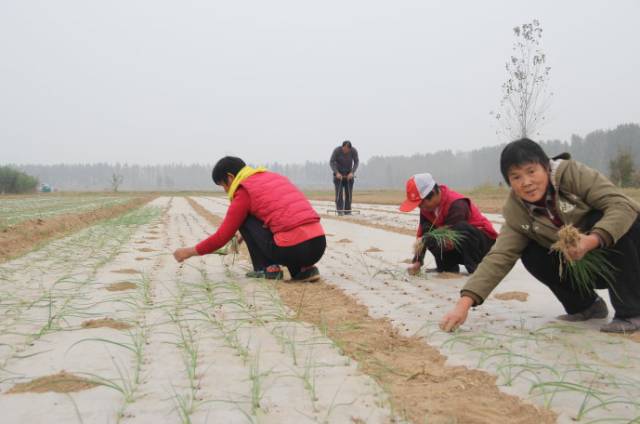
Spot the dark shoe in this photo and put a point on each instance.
(452, 269)
(272, 272)
(622, 325)
(308, 275)
(597, 310)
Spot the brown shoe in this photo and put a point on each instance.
(622, 325)
(598, 309)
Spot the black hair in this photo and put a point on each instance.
(346, 143)
(226, 165)
(435, 190)
(520, 152)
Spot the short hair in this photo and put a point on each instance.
(226, 165)
(521, 152)
(346, 143)
(434, 190)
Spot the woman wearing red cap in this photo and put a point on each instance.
(443, 207)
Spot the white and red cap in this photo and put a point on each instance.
(418, 187)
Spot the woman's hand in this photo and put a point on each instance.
(414, 269)
(184, 253)
(585, 245)
(458, 315)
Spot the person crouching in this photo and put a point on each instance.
(274, 218)
(441, 207)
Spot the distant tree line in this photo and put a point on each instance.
(598, 149)
(13, 181)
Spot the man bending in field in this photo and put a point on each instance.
(275, 219)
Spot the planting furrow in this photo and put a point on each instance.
(87, 334)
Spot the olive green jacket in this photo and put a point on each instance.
(578, 190)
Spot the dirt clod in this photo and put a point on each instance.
(63, 382)
(512, 295)
(121, 286)
(106, 322)
(126, 271)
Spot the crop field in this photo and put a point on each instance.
(104, 326)
(22, 208)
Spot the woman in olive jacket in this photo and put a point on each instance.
(546, 194)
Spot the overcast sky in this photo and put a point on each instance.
(190, 81)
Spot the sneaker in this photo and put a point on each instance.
(272, 272)
(598, 309)
(622, 325)
(308, 275)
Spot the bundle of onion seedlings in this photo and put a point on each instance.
(442, 236)
(585, 272)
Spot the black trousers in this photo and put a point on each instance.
(264, 252)
(473, 246)
(625, 287)
(344, 192)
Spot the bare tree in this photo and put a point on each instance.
(116, 181)
(525, 94)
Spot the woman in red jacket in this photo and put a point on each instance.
(274, 218)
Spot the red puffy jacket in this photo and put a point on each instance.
(277, 202)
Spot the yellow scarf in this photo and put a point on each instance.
(244, 173)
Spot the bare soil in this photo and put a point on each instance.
(121, 286)
(126, 271)
(447, 275)
(62, 382)
(512, 295)
(414, 374)
(106, 322)
(214, 219)
(24, 237)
